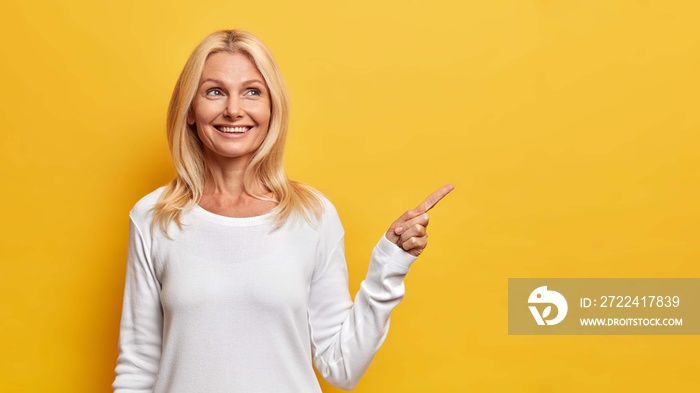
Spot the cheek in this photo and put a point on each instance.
(204, 111)
(261, 114)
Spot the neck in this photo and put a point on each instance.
(224, 178)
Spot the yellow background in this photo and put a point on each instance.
(570, 129)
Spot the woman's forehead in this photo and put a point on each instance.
(228, 67)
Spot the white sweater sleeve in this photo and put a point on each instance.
(140, 334)
(345, 336)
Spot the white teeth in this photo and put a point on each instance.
(234, 129)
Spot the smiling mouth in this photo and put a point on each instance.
(233, 130)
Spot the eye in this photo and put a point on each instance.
(216, 92)
(254, 92)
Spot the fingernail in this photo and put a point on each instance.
(399, 230)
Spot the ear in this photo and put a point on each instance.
(190, 116)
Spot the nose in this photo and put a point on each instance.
(233, 107)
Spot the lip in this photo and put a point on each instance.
(233, 125)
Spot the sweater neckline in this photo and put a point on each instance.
(233, 221)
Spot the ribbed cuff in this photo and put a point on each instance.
(397, 255)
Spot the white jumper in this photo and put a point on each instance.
(231, 305)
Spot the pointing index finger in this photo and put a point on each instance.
(434, 198)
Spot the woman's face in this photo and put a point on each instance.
(231, 108)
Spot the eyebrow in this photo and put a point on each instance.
(248, 82)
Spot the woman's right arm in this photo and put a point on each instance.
(141, 331)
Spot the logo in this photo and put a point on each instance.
(542, 296)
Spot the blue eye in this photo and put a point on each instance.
(214, 92)
(254, 92)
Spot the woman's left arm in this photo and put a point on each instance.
(346, 335)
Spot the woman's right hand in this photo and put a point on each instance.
(409, 231)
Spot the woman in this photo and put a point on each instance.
(236, 276)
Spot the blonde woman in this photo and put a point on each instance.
(236, 276)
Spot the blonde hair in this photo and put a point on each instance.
(185, 190)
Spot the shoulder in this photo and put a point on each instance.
(329, 219)
(326, 203)
(327, 209)
(141, 212)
